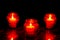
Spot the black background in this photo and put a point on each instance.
(29, 9)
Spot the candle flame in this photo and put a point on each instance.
(49, 39)
(12, 18)
(12, 38)
(50, 18)
(30, 26)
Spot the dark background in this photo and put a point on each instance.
(29, 9)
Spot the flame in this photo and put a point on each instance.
(30, 26)
(50, 18)
(12, 38)
(12, 18)
(49, 39)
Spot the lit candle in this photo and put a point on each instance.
(31, 26)
(13, 19)
(50, 20)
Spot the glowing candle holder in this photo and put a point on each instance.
(13, 19)
(30, 26)
(50, 20)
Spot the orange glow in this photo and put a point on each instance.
(49, 39)
(12, 17)
(12, 38)
(50, 18)
(30, 26)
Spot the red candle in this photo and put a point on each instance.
(30, 26)
(50, 20)
(13, 19)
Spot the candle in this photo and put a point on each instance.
(50, 20)
(13, 19)
(30, 26)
